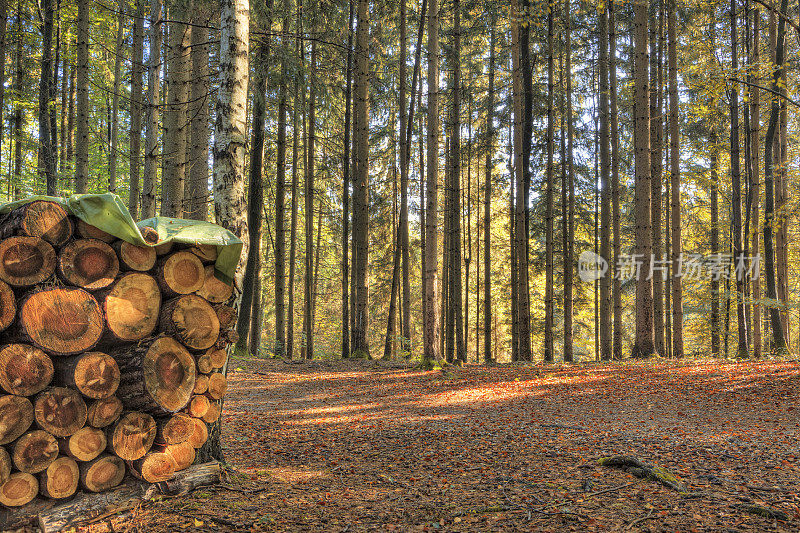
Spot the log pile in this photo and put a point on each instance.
(111, 355)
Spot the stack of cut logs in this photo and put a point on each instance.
(110, 355)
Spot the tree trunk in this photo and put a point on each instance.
(455, 191)
(430, 316)
(605, 195)
(255, 191)
(153, 99)
(112, 154)
(549, 351)
(644, 344)
(405, 155)
(715, 249)
(675, 185)
(361, 196)
(523, 192)
(47, 165)
(755, 126)
(487, 198)
(293, 227)
(280, 205)
(308, 292)
(3, 51)
(615, 193)
(199, 95)
(656, 162)
(136, 109)
(82, 85)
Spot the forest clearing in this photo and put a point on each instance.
(380, 446)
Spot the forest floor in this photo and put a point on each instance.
(375, 446)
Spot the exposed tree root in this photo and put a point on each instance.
(643, 470)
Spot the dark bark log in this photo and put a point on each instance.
(94, 374)
(26, 261)
(103, 413)
(180, 273)
(157, 376)
(20, 489)
(60, 479)
(5, 465)
(60, 411)
(34, 451)
(214, 290)
(24, 370)
(8, 306)
(131, 307)
(16, 416)
(46, 220)
(87, 231)
(132, 257)
(102, 473)
(191, 320)
(88, 263)
(84, 445)
(133, 436)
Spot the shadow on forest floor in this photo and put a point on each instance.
(361, 445)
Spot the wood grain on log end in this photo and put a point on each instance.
(191, 320)
(20, 489)
(154, 467)
(24, 369)
(104, 412)
(132, 306)
(88, 263)
(213, 412)
(84, 445)
(62, 321)
(198, 406)
(217, 385)
(88, 231)
(103, 473)
(181, 273)
(8, 306)
(43, 219)
(174, 429)
(132, 436)
(226, 316)
(60, 479)
(132, 257)
(215, 290)
(60, 411)
(218, 358)
(183, 453)
(34, 451)
(16, 416)
(206, 252)
(200, 433)
(94, 374)
(26, 261)
(200, 384)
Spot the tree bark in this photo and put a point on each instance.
(199, 95)
(675, 185)
(153, 97)
(549, 351)
(280, 204)
(47, 165)
(487, 198)
(308, 211)
(605, 194)
(112, 153)
(82, 87)
(755, 126)
(136, 109)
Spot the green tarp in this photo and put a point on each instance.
(109, 213)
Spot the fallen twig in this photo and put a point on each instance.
(612, 489)
(640, 520)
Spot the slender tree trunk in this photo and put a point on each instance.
(112, 153)
(755, 126)
(196, 200)
(715, 294)
(487, 198)
(736, 201)
(137, 82)
(656, 131)
(430, 317)
(549, 352)
(176, 124)
(675, 183)
(149, 177)
(346, 188)
(405, 149)
(361, 185)
(255, 191)
(309, 206)
(615, 212)
(19, 110)
(644, 343)
(3, 41)
(778, 338)
(605, 194)
(455, 190)
(514, 140)
(47, 166)
(293, 223)
(280, 202)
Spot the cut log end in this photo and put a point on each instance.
(103, 473)
(199, 406)
(132, 257)
(174, 429)
(215, 290)
(104, 412)
(8, 306)
(132, 306)
(218, 358)
(183, 453)
(169, 373)
(60, 479)
(16, 416)
(26, 261)
(34, 451)
(24, 370)
(181, 273)
(204, 364)
(88, 263)
(43, 219)
(85, 445)
(199, 435)
(154, 467)
(192, 320)
(62, 321)
(88, 231)
(95, 374)
(133, 436)
(200, 384)
(150, 235)
(226, 316)
(213, 412)
(20, 489)
(61, 411)
(217, 385)
(206, 252)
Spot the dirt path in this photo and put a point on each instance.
(357, 446)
